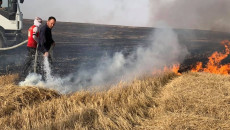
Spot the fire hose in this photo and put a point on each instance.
(35, 59)
(36, 54)
(20, 44)
(13, 47)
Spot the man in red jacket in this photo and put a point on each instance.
(33, 36)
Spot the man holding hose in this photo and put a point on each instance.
(33, 37)
(46, 41)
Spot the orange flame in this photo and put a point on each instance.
(174, 68)
(213, 65)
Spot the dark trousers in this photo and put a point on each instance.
(29, 62)
(41, 70)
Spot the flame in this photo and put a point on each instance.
(198, 67)
(213, 65)
(173, 68)
(176, 68)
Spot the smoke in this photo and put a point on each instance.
(193, 14)
(113, 12)
(164, 50)
(9, 60)
(50, 82)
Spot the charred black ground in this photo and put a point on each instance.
(82, 44)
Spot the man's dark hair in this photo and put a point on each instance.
(51, 17)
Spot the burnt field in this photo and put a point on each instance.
(81, 45)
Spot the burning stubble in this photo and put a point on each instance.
(214, 64)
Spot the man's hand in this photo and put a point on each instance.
(46, 54)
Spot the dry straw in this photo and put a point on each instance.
(168, 101)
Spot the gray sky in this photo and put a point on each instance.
(121, 12)
(198, 14)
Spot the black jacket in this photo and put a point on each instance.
(45, 39)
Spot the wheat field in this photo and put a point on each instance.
(165, 102)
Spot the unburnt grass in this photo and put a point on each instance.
(166, 101)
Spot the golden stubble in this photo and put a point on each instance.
(167, 101)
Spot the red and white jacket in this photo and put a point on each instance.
(33, 33)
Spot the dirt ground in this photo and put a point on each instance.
(82, 44)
